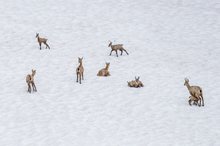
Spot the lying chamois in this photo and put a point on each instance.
(79, 71)
(116, 48)
(195, 92)
(42, 40)
(104, 72)
(30, 81)
(135, 83)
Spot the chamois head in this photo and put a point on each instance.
(137, 79)
(107, 64)
(186, 81)
(80, 59)
(37, 35)
(110, 44)
(33, 72)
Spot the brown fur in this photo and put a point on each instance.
(195, 91)
(104, 72)
(116, 48)
(135, 83)
(42, 40)
(80, 71)
(30, 81)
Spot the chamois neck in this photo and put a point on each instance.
(107, 67)
(188, 86)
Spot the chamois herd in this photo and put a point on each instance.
(196, 94)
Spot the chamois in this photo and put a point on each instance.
(135, 83)
(79, 70)
(30, 81)
(116, 48)
(104, 72)
(42, 40)
(195, 91)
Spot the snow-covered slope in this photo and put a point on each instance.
(167, 41)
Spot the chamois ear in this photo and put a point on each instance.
(187, 80)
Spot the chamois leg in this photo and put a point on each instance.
(82, 76)
(77, 77)
(110, 53)
(29, 88)
(125, 51)
(34, 87)
(116, 53)
(202, 100)
(195, 102)
(121, 52)
(190, 102)
(40, 45)
(199, 101)
(47, 46)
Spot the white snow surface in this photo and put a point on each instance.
(167, 41)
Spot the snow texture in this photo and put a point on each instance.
(166, 40)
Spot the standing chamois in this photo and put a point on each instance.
(79, 70)
(104, 72)
(195, 92)
(30, 81)
(42, 40)
(116, 48)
